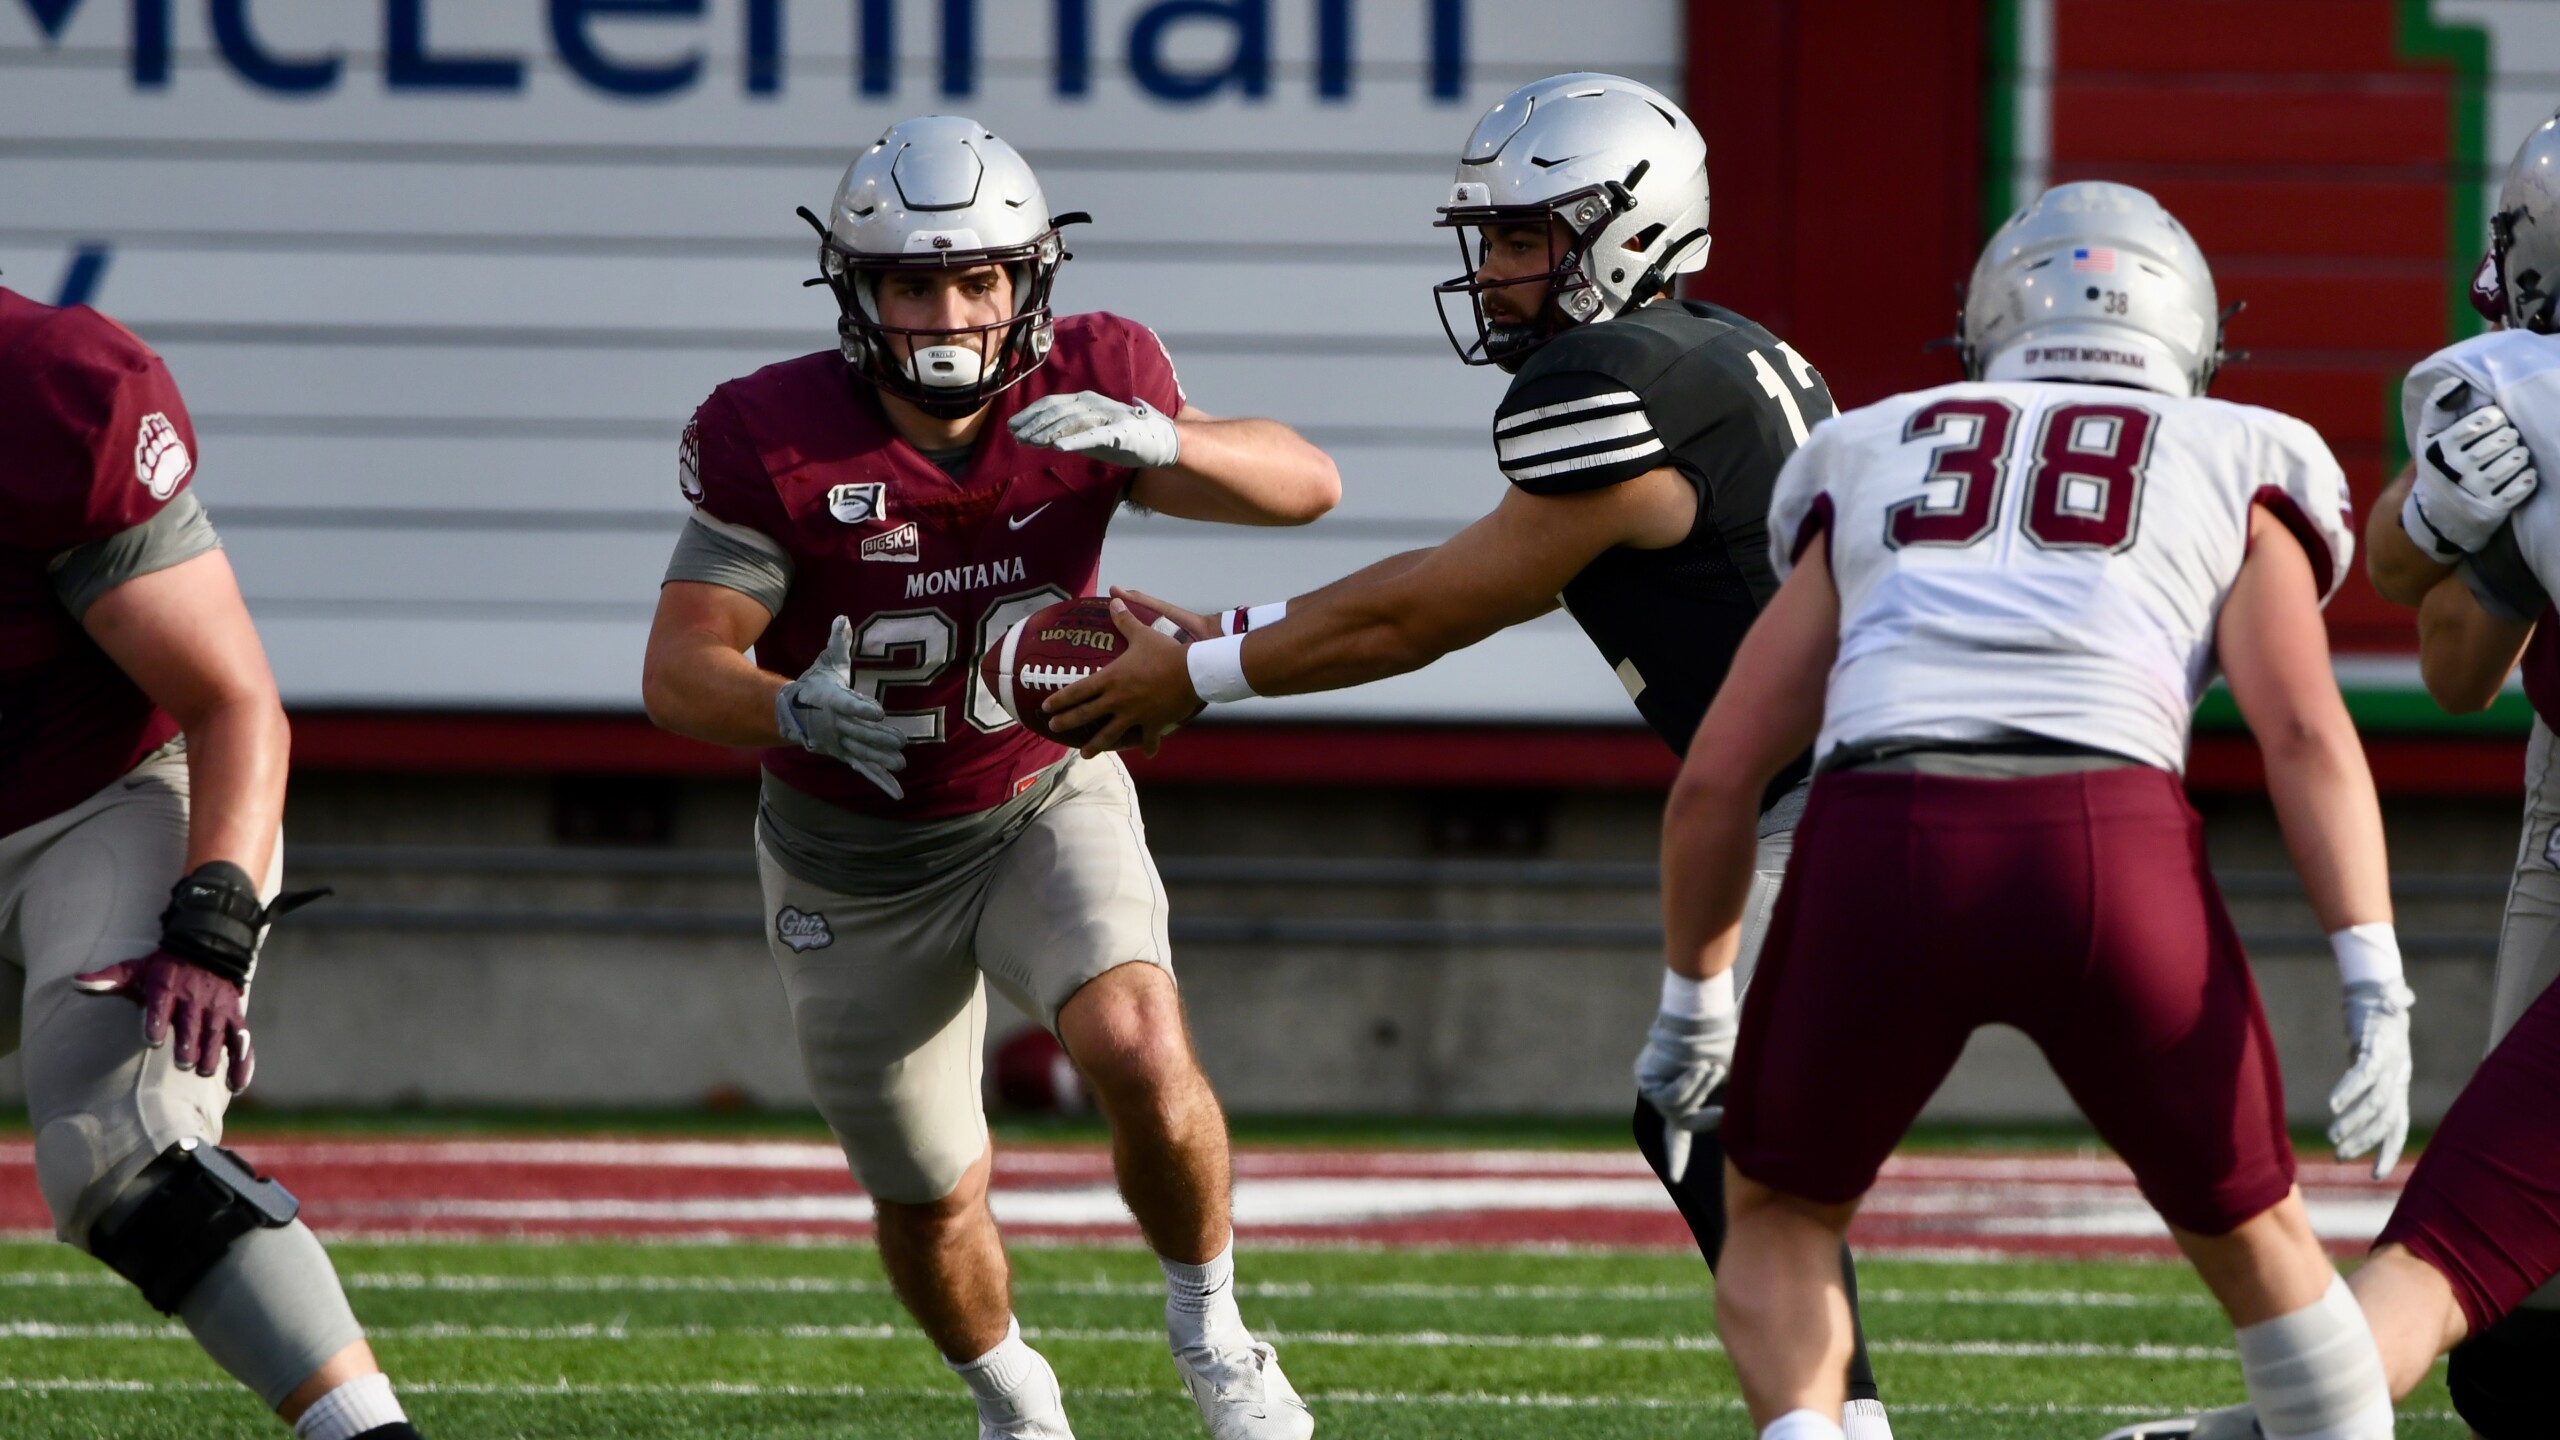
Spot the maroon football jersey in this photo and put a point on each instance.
(2541, 668)
(931, 570)
(93, 441)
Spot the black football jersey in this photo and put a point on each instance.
(1712, 395)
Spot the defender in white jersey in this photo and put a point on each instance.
(2005, 597)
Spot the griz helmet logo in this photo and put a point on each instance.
(803, 930)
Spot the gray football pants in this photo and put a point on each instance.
(84, 890)
(2529, 938)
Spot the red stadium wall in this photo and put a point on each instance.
(1845, 144)
(2311, 146)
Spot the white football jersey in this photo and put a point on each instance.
(2521, 372)
(2043, 558)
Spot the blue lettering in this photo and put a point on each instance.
(1156, 30)
(1075, 47)
(150, 44)
(1248, 67)
(959, 46)
(51, 15)
(1448, 49)
(240, 49)
(764, 47)
(407, 65)
(80, 278)
(879, 58)
(1333, 49)
(578, 50)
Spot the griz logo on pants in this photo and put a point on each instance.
(803, 930)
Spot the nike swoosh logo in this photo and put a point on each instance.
(1016, 522)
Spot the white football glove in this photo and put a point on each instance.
(2473, 471)
(823, 714)
(1137, 435)
(2370, 1105)
(1685, 1058)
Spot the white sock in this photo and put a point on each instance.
(364, 1403)
(1200, 1301)
(2316, 1374)
(1864, 1420)
(1011, 1381)
(1803, 1425)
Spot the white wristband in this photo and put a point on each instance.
(2366, 952)
(1245, 618)
(1217, 669)
(1708, 999)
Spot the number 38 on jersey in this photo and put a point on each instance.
(2073, 541)
(2083, 474)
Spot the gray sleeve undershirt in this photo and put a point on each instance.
(83, 573)
(734, 557)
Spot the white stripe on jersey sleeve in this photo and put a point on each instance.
(1504, 425)
(1652, 446)
(746, 535)
(1558, 438)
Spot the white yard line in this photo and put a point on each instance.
(618, 1333)
(726, 1389)
(412, 1281)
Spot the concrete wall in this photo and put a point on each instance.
(1488, 954)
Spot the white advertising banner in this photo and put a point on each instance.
(442, 279)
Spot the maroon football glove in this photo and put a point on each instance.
(193, 986)
(183, 999)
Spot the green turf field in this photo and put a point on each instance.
(709, 1342)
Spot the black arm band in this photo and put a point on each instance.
(215, 919)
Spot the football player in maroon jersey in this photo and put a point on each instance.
(869, 519)
(130, 916)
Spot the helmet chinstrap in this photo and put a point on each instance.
(869, 344)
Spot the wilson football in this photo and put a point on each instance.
(1046, 652)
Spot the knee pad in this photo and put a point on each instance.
(2501, 1386)
(178, 1218)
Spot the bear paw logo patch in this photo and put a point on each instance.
(803, 930)
(689, 463)
(160, 458)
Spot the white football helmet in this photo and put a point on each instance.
(2522, 282)
(1619, 164)
(936, 192)
(2095, 282)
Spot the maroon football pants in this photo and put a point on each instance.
(2077, 908)
(2483, 1204)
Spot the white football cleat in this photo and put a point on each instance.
(1241, 1393)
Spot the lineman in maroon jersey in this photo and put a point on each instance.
(2468, 1266)
(869, 519)
(130, 678)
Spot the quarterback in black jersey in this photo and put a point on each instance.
(1641, 435)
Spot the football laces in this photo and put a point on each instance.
(1051, 677)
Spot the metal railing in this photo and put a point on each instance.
(354, 912)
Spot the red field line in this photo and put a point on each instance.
(2013, 1203)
